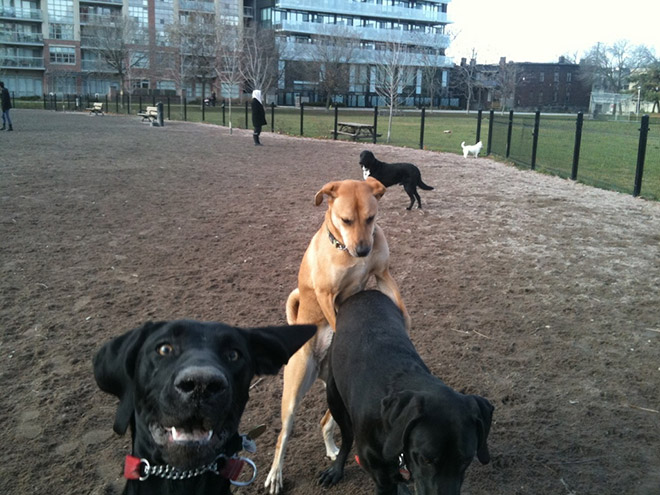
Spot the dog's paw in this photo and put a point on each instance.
(274, 482)
(331, 476)
(331, 451)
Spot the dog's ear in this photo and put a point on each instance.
(483, 420)
(399, 412)
(376, 186)
(271, 347)
(114, 370)
(330, 189)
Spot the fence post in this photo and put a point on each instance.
(535, 137)
(578, 142)
(641, 155)
(375, 123)
(246, 114)
(509, 134)
(223, 113)
(203, 109)
(334, 134)
(302, 111)
(185, 109)
(272, 117)
(491, 117)
(168, 109)
(421, 130)
(479, 114)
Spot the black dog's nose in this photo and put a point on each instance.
(200, 383)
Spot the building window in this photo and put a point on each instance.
(61, 31)
(141, 84)
(62, 55)
(60, 11)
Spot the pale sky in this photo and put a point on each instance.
(542, 31)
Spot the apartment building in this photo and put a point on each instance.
(416, 26)
(53, 46)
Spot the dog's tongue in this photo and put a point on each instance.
(182, 435)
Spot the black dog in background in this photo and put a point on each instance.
(408, 425)
(182, 388)
(406, 174)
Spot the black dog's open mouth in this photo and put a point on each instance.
(188, 446)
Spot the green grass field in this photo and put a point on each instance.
(608, 154)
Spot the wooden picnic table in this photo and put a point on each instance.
(357, 130)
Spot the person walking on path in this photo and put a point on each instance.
(5, 99)
(258, 116)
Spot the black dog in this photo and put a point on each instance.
(406, 174)
(408, 425)
(182, 387)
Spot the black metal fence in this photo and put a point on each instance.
(622, 155)
(618, 155)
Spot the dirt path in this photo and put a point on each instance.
(537, 293)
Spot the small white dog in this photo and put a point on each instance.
(474, 149)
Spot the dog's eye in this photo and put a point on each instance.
(347, 221)
(233, 355)
(165, 349)
(370, 220)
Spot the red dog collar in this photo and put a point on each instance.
(140, 469)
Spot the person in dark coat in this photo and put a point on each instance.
(5, 99)
(258, 116)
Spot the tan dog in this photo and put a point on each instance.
(344, 253)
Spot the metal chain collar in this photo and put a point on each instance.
(170, 473)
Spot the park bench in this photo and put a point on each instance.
(150, 114)
(96, 108)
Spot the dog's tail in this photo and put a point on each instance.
(421, 185)
(292, 306)
(463, 144)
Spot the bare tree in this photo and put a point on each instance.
(466, 79)
(333, 50)
(228, 64)
(195, 37)
(259, 66)
(507, 78)
(115, 43)
(393, 75)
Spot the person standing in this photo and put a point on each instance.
(5, 99)
(258, 116)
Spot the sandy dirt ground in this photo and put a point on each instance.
(538, 293)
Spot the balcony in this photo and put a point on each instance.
(291, 50)
(100, 19)
(102, 2)
(196, 6)
(19, 14)
(353, 8)
(418, 38)
(18, 62)
(96, 66)
(17, 38)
